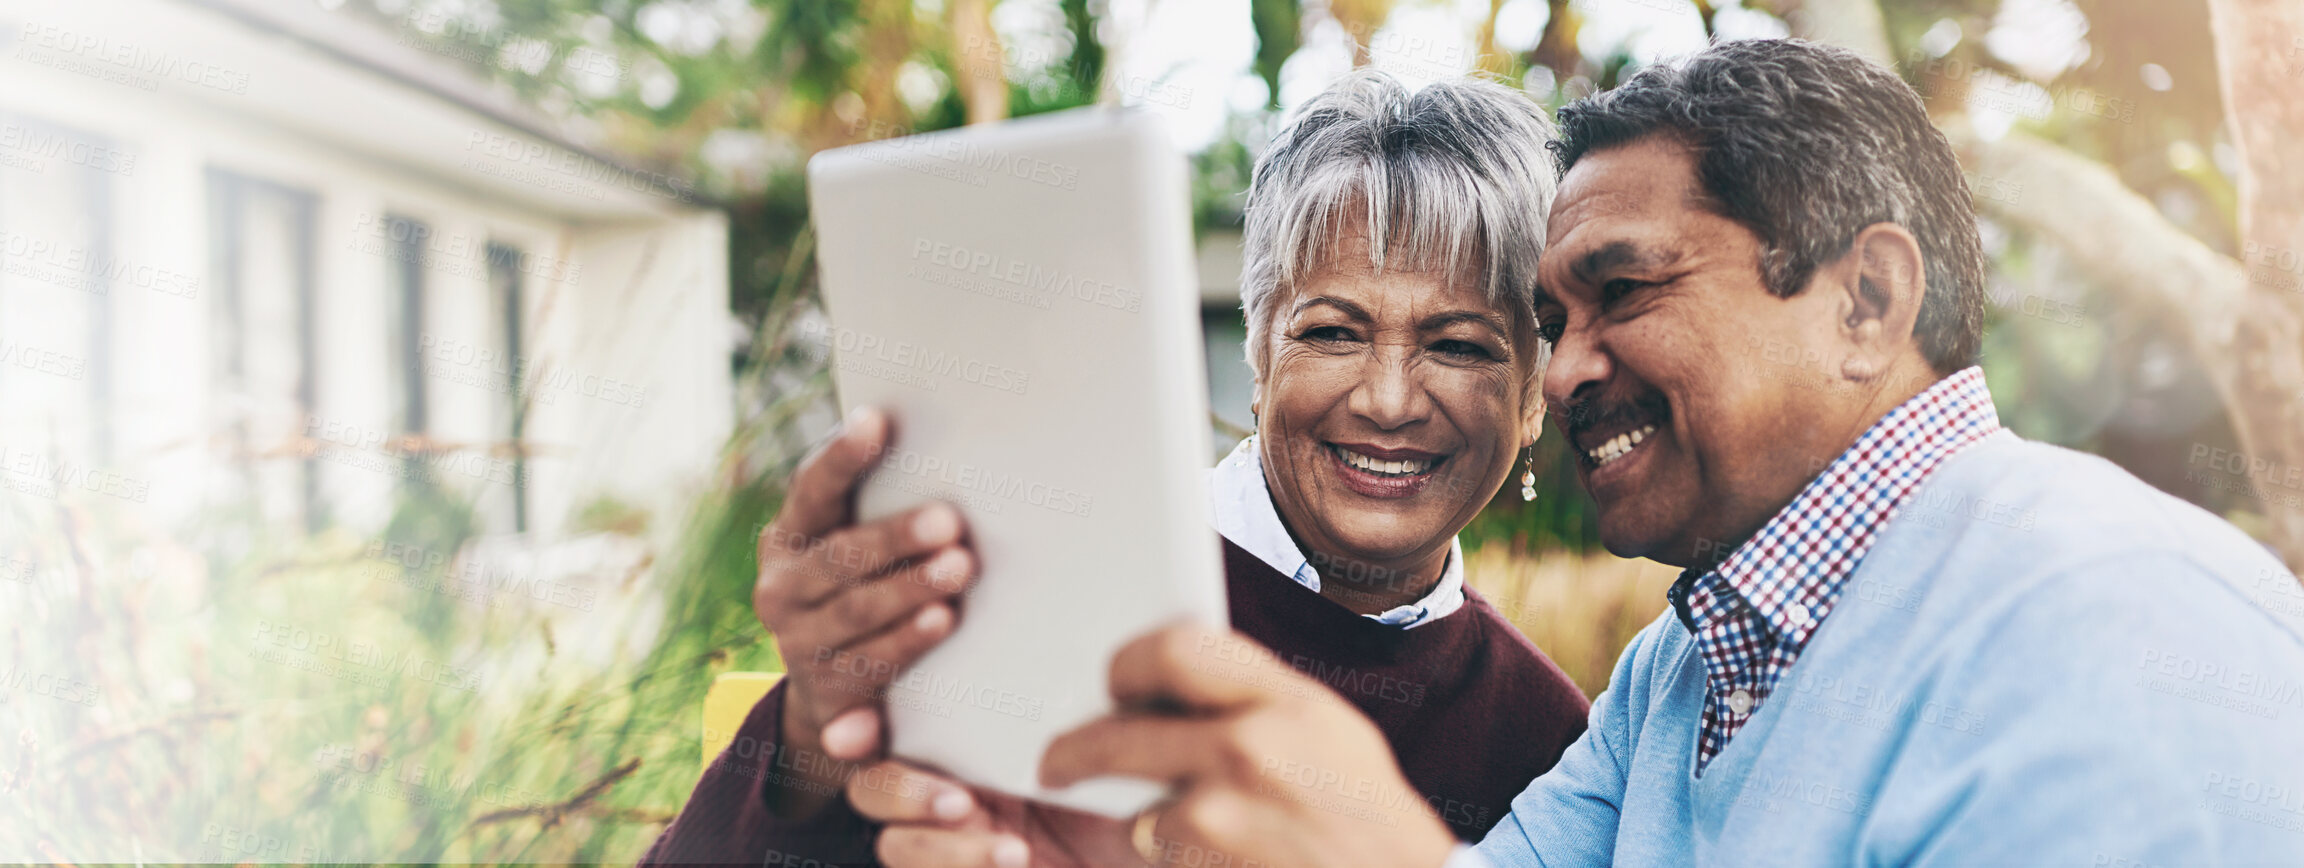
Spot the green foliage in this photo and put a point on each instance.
(607, 514)
(430, 517)
(811, 44)
(366, 700)
(1279, 31)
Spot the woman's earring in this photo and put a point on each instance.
(1528, 478)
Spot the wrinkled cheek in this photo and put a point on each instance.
(1487, 407)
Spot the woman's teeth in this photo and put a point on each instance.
(1383, 468)
(1617, 446)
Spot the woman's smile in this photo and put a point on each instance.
(1374, 471)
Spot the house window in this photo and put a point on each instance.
(261, 257)
(56, 293)
(505, 296)
(404, 322)
(404, 267)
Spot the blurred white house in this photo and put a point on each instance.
(263, 255)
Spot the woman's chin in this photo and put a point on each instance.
(1388, 545)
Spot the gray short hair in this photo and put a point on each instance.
(1453, 178)
(1807, 144)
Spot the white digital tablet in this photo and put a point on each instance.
(1022, 297)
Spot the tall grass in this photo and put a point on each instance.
(1580, 609)
(329, 699)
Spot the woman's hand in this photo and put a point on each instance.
(1270, 767)
(935, 822)
(851, 605)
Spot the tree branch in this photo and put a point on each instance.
(2116, 237)
(982, 62)
(2259, 57)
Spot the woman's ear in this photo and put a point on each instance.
(1532, 421)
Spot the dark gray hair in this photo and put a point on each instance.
(1452, 179)
(1806, 144)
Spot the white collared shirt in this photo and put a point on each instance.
(1241, 506)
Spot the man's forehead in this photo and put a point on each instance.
(1632, 179)
(1620, 205)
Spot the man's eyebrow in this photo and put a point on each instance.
(1618, 255)
(1351, 310)
(1445, 318)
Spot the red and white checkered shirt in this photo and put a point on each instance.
(1753, 613)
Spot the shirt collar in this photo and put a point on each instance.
(1789, 571)
(1240, 504)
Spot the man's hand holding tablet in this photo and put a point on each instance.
(1270, 768)
(851, 604)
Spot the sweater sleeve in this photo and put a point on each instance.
(2090, 725)
(727, 822)
(1569, 815)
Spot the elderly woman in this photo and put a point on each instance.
(1389, 241)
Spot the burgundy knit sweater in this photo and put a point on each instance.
(1472, 710)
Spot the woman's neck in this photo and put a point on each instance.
(1370, 588)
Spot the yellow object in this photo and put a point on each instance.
(727, 704)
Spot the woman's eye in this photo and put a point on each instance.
(1463, 349)
(1326, 333)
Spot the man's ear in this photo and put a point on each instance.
(1883, 288)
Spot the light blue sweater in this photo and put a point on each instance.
(2043, 661)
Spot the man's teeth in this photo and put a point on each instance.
(1381, 467)
(1617, 446)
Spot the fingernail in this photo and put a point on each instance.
(933, 618)
(850, 735)
(935, 524)
(952, 805)
(947, 570)
(1010, 853)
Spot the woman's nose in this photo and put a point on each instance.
(1390, 394)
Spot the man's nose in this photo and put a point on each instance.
(1580, 365)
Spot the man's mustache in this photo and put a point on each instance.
(1579, 416)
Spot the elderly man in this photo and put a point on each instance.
(1903, 636)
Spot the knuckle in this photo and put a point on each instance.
(1174, 651)
(858, 609)
(768, 593)
(1239, 744)
(864, 547)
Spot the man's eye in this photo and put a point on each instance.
(1550, 331)
(1616, 289)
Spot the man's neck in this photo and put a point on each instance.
(1872, 403)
